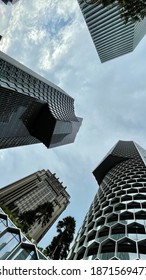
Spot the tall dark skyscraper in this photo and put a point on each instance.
(32, 191)
(33, 110)
(110, 35)
(115, 225)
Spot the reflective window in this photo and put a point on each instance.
(100, 239)
(142, 256)
(2, 224)
(24, 254)
(106, 256)
(126, 256)
(117, 236)
(7, 243)
(142, 222)
(136, 236)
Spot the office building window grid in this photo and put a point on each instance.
(38, 196)
(32, 191)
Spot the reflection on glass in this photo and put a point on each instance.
(92, 257)
(89, 242)
(100, 239)
(142, 256)
(106, 256)
(111, 223)
(136, 236)
(142, 222)
(2, 225)
(126, 222)
(7, 243)
(11, 224)
(24, 254)
(117, 236)
(126, 256)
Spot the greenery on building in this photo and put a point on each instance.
(134, 10)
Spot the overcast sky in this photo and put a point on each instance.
(51, 38)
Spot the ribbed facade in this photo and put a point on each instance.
(115, 225)
(111, 36)
(33, 110)
(13, 244)
(31, 191)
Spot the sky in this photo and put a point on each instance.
(51, 38)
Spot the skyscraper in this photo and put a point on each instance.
(33, 110)
(115, 225)
(110, 35)
(31, 191)
(13, 243)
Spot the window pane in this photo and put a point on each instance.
(7, 243)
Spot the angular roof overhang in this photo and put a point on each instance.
(106, 165)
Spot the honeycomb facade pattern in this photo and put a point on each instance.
(115, 225)
(110, 35)
(33, 110)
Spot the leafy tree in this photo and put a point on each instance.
(59, 247)
(134, 10)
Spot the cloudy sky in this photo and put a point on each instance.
(51, 38)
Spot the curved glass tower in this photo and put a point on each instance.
(115, 225)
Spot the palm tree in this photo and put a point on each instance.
(44, 213)
(41, 214)
(27, 216)
(59, 247)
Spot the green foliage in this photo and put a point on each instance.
(134, 10)
(44, 252)
(14, 219)
(41, 214)
(59, 247)
(25, 220)
(44, 213)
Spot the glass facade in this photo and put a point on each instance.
(33, 110)
(115, 225)
(13, 244)
(111, 36)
